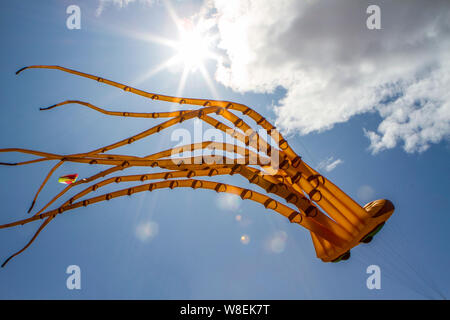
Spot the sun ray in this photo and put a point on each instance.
(209, 81)
(173, 15)
(159, 68)
(151, 38)
(182, 82)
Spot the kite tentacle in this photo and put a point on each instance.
(253, 175)
(118, 168)
(43, 184)
(24, 162)
(260, 120)
(211, 121)
(158, 155)
(107, 161)
(293, 215)
(222, 111)
(152, 115)
(165, 163)
(243, 138)
(268, 202)
(43, 225)
(148, 132)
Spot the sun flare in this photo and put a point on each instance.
(192, 49)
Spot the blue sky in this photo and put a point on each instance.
(184, 244)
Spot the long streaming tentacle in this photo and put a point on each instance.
(215, 122)
(94, 160)
(132, 138)
(152, 115)
(158, 155)
(238, 122)
(155, 129)
(50, 156)
(51, 218)
(33, 152)
(24, 162)
(43, 225)
(260, 120)
(253, 175)
(129, 139)
(294, 216)
(43, 183)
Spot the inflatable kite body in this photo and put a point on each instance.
(285, 183)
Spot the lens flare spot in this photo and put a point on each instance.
(147, 231)
(245, 239)
(277, 242)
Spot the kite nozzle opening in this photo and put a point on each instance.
(342, 257)
(368, 237)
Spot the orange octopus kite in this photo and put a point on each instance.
(335, 221)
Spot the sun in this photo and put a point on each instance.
(192, 47)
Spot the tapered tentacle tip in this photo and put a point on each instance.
(32, 205)
(20, 70)
(48, 108)
(6, 261)
(8, 164)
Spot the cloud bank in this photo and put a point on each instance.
(333, 67)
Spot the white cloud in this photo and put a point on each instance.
(227, 201)
(419, 117)
(118, 3)
(334, 68)
(147, 230)
(329, 164)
